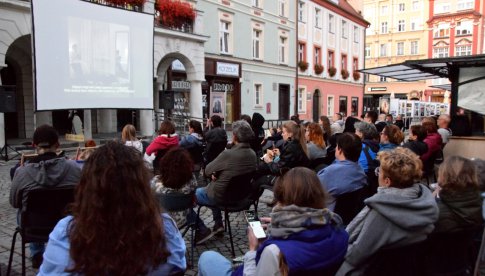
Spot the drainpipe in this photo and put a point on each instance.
(296, 59)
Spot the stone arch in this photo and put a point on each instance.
(14, 23)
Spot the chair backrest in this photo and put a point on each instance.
(348, 205)
(405, 260)
(174, 202)
(42, 210)
(316, 163)
(240, 188)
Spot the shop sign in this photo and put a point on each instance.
(180, 85)
(178, 66)
(227, 69)
(378, 89)
(222, 87)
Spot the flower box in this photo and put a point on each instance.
(344, 73)
(332, 71)
(303, 65)
(126, 4)
(356, 75)
(318, 69)
(175, 14)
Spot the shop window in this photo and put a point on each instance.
(343, 105)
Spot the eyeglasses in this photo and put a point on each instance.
(377, 171)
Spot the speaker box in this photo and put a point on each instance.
(166, 99)
(7, 100)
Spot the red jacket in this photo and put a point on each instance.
(434, 142)
(162, 142)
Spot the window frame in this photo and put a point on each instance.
(301, 99)
(302, 51)
(282, 49)
(345, 29)
(258, 94)
(331, 59)
(414, 44)
(256, 39)
(224, 36)
(400, 48)
(331, 23)
(384, 27)
(317, 55)
(401, 25)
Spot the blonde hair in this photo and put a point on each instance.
(128, 133)
(402, 166)
(457, 173)
(298, 134)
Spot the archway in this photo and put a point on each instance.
(316, 105)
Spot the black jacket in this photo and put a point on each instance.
(417, 147)
(292, 156)
(216, 140)
(257, 126)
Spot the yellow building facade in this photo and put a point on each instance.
(398, 32)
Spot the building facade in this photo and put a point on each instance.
(455, 28)
(398, 32)
(16, 69)
(249, 64)
(330, 51)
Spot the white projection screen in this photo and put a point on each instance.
(90, 56)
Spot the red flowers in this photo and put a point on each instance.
(175, 14)
(135, 3)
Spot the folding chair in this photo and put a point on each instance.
(43, 209)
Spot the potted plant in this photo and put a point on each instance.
(175, 14)
(356, 75)
(332, 71)
(344, 73)
(303, 65)
(318, 69)
(128, 4)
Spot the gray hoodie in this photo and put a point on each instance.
(392, 218)
(57, 172)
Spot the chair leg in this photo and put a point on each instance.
(12, 248)
(23, 257)
(226, 214)
(192, 245)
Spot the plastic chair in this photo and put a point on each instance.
(43, 209)
(348, 205)
(239, 196)
(176, 202)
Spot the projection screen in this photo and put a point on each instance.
(89, 56)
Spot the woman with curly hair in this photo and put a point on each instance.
(315, 143)
(400, 214)
(116, 227)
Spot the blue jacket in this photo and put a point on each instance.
(57, 259)
(373, 149)
(386, 147)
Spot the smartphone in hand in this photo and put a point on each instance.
(255, 224)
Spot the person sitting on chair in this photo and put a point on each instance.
(47, 170)
(116, 226)
(216, 138)
(305, 238)
(400, 214)
(315, 143)
(238, 160)
(166, 139)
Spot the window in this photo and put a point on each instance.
(463, 50)
(317, 57)
(465, 4)
(224, 37)
(301, 11)
(282, 7)
(301, 51)
(330, 104)
(355, 64)
(342, 107)
(382, 79)
(282, 49)
(256, 44)
(330, 59)
(318, 13)
(383, 27)
(440, 52)
(401, 26)
(414, 48)
(384, 10)
(464, 28)
(383, 52)
(441, 7)
(401, 7)
(415, 24)
(344, 29)
(367, 50)
(354, 106)
(331, 23)
(258, 95)
(416, 5)
(343, 61)
(400, 48)
(442, 30)
(356, 34)
(302, 100)
(257, 3)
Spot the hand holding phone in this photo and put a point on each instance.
(255, 225)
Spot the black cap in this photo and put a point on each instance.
(45, 136)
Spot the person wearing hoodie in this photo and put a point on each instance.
(194, 144)
(433, 140)
(367, 159)
(400, 214)
(47, 170)
(128, 138)
(166, 139)
(344, 175)
(257, 125)
(215, 137)
(416, 143)
(391, 137)
(338, 124)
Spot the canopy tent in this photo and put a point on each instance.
(466, 74)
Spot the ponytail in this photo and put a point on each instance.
(298, 134)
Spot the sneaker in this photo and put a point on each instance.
(37, 260)
(202, 236)
(218, 229)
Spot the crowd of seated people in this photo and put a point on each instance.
(394, 209)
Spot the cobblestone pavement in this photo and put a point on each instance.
(8, 224)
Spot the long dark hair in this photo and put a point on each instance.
(117, 227)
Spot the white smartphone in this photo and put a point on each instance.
(255, 224)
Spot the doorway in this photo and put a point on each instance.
(284, 101)
(316, 105)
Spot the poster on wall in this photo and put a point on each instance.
(384, 105)
(394, 107)
(217, 104)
